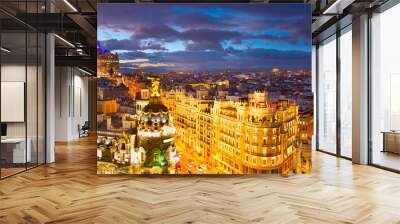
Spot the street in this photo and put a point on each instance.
(190, 164)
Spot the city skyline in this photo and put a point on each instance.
(206, 37)
(204, 89)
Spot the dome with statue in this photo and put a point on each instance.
(156, 135)
(155, 115)
(155, 107)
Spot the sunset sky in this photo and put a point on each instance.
(207, 37)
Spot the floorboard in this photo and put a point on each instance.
(69, 191)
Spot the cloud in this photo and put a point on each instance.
(129, 67)
(132, 44)
(228, 59)
(124, 44)
(120, 51)
(145, 65)
(137, 60)
(156, 31)
(152, 45)
(212, 36)
(201, 21)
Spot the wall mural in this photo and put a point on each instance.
(204, 89)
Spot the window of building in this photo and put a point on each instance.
(327, 98)
(346, 92)
(385, 89)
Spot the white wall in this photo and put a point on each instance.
(80, 105)
(71, 102)
(61, 103)
(33, 126)
(13, 73)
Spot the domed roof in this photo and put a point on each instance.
(155, 106)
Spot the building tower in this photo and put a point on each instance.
(156, 135)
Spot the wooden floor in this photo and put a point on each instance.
(69, 191)
(386, 159)
(5, 172)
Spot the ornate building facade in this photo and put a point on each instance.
(156, 136)
(253, 136)
(107, 63)
(146, 144)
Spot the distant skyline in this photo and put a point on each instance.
(207, 37)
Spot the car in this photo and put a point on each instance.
(203, 166)
(191, 163)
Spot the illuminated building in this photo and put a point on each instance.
(224, 84)
(192, 119)
(275, 70)
(158, 144)
(256, 136)
(142, 99)
(107, 106)
(106, 168)
(130, 83)
(140, 104)
(156, 135)
(306, 128)
(144, 94)
(128, 121)
(107, 63)
(113, 92)
(147, 143)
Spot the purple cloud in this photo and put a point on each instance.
(208, 36)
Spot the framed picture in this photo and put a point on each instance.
(204, 89)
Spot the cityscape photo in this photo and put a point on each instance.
(204, 89)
